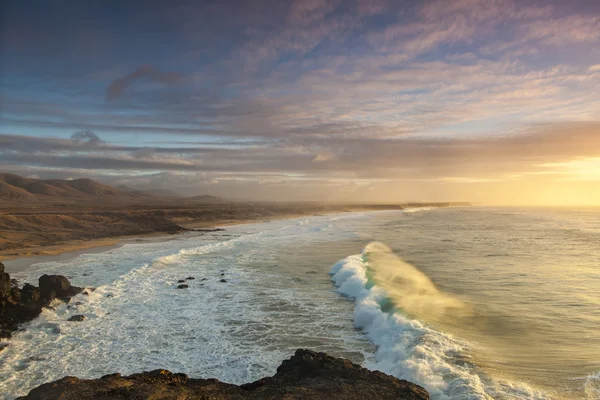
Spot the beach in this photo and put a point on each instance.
(455, 300)
(47, 231)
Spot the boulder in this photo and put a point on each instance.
(190, 278)
(77, 318)
(223, 280)
(182, 287)
(22, 305)
(181, 281)
(56, 286)
(30, 294)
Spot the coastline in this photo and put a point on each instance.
(20, 260)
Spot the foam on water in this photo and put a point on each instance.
(278, 298)
(592, 386)
(406, 348)
(136, 319)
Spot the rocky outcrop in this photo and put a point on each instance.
(56, 286)
(307, 375)
(22, 305)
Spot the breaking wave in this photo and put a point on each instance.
(386, 290)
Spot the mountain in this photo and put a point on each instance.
(27, 190)
(18, 189)
(149, 192)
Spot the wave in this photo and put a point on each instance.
(386, 290)
(416, 209)
(592, 386)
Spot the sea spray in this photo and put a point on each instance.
(409, 289)
(407, 348)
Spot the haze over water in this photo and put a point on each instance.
(471, 303)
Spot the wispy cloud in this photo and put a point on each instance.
(454, 92)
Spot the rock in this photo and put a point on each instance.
(182, 287)
(190, 278)
(4, 282)
(85, 293)
(204, 279)
(306, 375)
(223, 280)
(30, 293)
(56, 286)
(222, 274)
(22, 305)
(181, 281)
(77, 318)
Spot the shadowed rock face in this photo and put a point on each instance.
(22, 305)
(307, 375)
(56, 286)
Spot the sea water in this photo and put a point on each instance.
(471, 303)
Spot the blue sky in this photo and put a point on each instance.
(371, 100)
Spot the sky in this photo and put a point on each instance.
(489, 101)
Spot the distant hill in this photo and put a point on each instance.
(204, 199)
(149, 192)
(18, 188)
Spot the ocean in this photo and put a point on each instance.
(470, 303)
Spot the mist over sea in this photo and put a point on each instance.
(471, 303)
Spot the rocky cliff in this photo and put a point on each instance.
(306, 375)
(18, 305)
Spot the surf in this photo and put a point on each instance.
(392, 299)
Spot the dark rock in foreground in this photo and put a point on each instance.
(23, 305)
(182, 287)
(77, 318)
(307, 375)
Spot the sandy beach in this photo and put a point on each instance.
(21, 259)
(31, 235)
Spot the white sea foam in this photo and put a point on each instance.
(278, 298)
(236, 331)
(416, 209)
(408, 349)
(592, 386)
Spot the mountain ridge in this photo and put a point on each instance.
(16, 188)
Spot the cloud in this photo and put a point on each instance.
(86, 137)
(120, 85)
(311, 92)
(325, 157)
(594, 68)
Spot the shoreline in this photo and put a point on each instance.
(24, 258)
